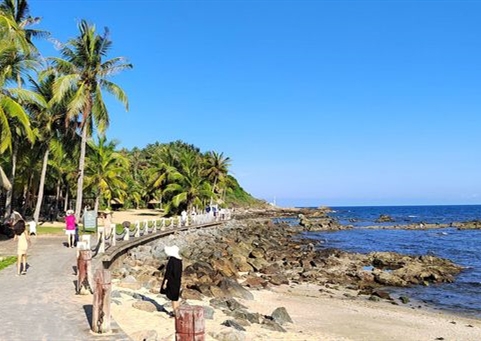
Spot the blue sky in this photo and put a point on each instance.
(332, 103)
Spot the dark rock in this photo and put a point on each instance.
(255, 282)
(208, 312)
(281, 316)
(191, 294)
(233, 324)
(272, 325)
(382, 294)
(234, 289)
(384, 218)
(232, 304)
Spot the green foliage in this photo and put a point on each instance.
(7, 261)
(237, 197)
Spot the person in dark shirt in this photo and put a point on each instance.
(172, 278)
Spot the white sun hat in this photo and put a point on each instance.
(172, 251)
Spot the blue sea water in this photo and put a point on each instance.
(461, 246)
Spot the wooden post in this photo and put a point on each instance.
(84, 271)
(189, 323)
(101, 303)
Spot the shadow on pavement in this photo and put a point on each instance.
(88, 309)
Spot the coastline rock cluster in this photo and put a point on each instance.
(320, 222)
(219, 263)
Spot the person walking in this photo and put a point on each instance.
(172, 278)
(23, 241)
(70, 226)
(107, 223)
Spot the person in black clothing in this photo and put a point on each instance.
(172, 278)
(51, 213)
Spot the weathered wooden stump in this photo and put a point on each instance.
(101, 304)
(189, 323)
(84, 271)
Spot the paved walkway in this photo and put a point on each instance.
(42, 305)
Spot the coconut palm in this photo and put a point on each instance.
(83, 77)
(48, 126)
(19, 11)
(62, 162)
(18, 57)
(216, 169)
(187, 185)
(105, 171)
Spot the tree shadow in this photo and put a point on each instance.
(158, 306)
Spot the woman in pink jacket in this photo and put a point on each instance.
(70, 228)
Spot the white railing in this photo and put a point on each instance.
(105, 240)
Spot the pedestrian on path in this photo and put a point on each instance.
(70, 226)
(172, 278)
(23, 242)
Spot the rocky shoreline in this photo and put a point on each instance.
(223, 265)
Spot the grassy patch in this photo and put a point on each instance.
(7, 261)
(50, 230)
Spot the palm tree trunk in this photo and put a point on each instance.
(65, 203)
(8, 203)
(57, 196)
(38, 206)
(97, 200)
(213, 190)
(81, 166)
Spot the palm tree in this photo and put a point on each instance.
(105, 171)
(47, 121)
(217, 167)
(19, 11)
(18, 58)
(83, 76)
(187, 184)
(64, 168)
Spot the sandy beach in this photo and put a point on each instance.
(318, 313)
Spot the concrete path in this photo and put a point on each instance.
(42, 305)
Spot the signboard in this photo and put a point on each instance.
(90, 219)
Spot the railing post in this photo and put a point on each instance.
(101, 303)
(113, 232)
(84, 271)
(101, 238)
(137, 229)
(154, 226)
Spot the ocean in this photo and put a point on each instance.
(461, 246)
